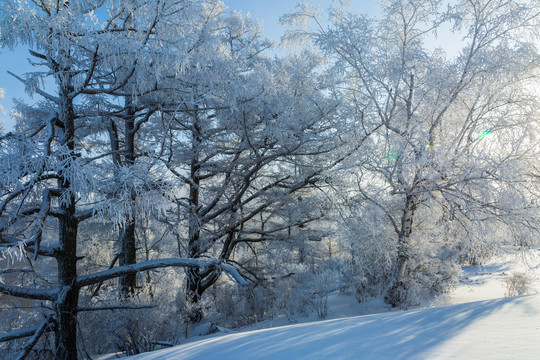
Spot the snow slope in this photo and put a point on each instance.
(499, 328)
(506, 328)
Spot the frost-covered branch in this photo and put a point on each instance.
(47, 96)
(18, 334)
(10, 243)
(116, 307)
(95, 278)
(26, 293)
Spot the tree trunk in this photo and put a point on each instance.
(397, 292)
(197, 283)
(128, 249)
(66, 305)
(67, 302)
(194, 313)
(127, 283)
(193, 276)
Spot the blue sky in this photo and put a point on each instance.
(268, 11)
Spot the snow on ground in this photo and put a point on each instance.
(498, 328)
(506, 328)
(490, 281)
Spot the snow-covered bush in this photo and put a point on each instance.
(370, 267)
(368, 246)
(297, 289)
(518, 283)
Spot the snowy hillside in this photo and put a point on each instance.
(507, 328)
(503, 328)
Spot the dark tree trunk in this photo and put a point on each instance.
(194, 277)
(127, 256)
(194, 313)
(66, 306)
(128, 249)
(67, 302)
(197, 282)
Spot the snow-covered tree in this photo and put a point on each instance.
(52, 177)
(248, 133)
(453, 131)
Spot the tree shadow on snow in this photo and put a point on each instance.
(394, 335)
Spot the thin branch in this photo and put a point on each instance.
(114, 260)
(44, 327)
(117, 307)
(18, 334)
(54, 99)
